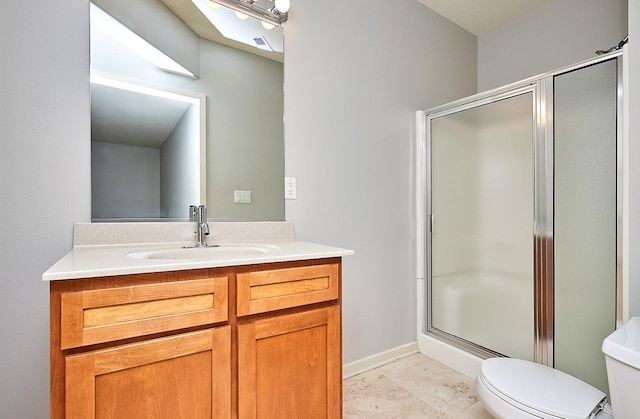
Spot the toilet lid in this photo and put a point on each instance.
(540, 388)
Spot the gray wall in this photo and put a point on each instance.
(125, 181)
(178, 179)
(353, 80)
(561, 33)
(245, 150)
(44, 181)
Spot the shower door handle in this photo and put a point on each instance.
(430, 223)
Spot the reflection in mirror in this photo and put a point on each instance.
(243, 116)
(147, 166)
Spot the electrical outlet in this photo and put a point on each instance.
(242, 197)
(289, 188)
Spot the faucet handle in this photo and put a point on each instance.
(202, 214)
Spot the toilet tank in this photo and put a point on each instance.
(622, 356)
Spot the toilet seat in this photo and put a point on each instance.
(538, 390)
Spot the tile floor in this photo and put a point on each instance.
(413, 387)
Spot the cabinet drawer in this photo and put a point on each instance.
(103, 315)
(264, 291)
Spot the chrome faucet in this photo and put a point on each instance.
(198, 214)
(203, 227)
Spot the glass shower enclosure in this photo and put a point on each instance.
(519, 218)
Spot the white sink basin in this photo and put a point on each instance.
(224, 251)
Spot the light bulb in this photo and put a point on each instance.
(283, 5)
(267, 26)
(213, 4)
(241, 16)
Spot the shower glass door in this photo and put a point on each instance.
(481, 202)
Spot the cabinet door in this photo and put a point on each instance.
(290, 366)
(182, 376)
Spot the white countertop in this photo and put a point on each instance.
(88, 261)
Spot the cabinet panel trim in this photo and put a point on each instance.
(97, 316)
(250, 333)
(82, 369)
(264, 291)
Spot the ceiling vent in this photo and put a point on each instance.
(262, 43)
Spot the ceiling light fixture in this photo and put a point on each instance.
(241, 16)
(283, 5)
(264, 10)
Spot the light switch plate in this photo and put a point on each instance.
(242, 197)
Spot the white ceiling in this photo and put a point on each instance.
(142, 120)
(189, 13)
(481, 16)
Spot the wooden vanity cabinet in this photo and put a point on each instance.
(255, 341)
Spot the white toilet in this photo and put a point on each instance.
(513, 388)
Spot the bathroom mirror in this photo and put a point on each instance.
(239, 91)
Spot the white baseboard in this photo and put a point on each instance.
(450, 356)
(376, 360)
